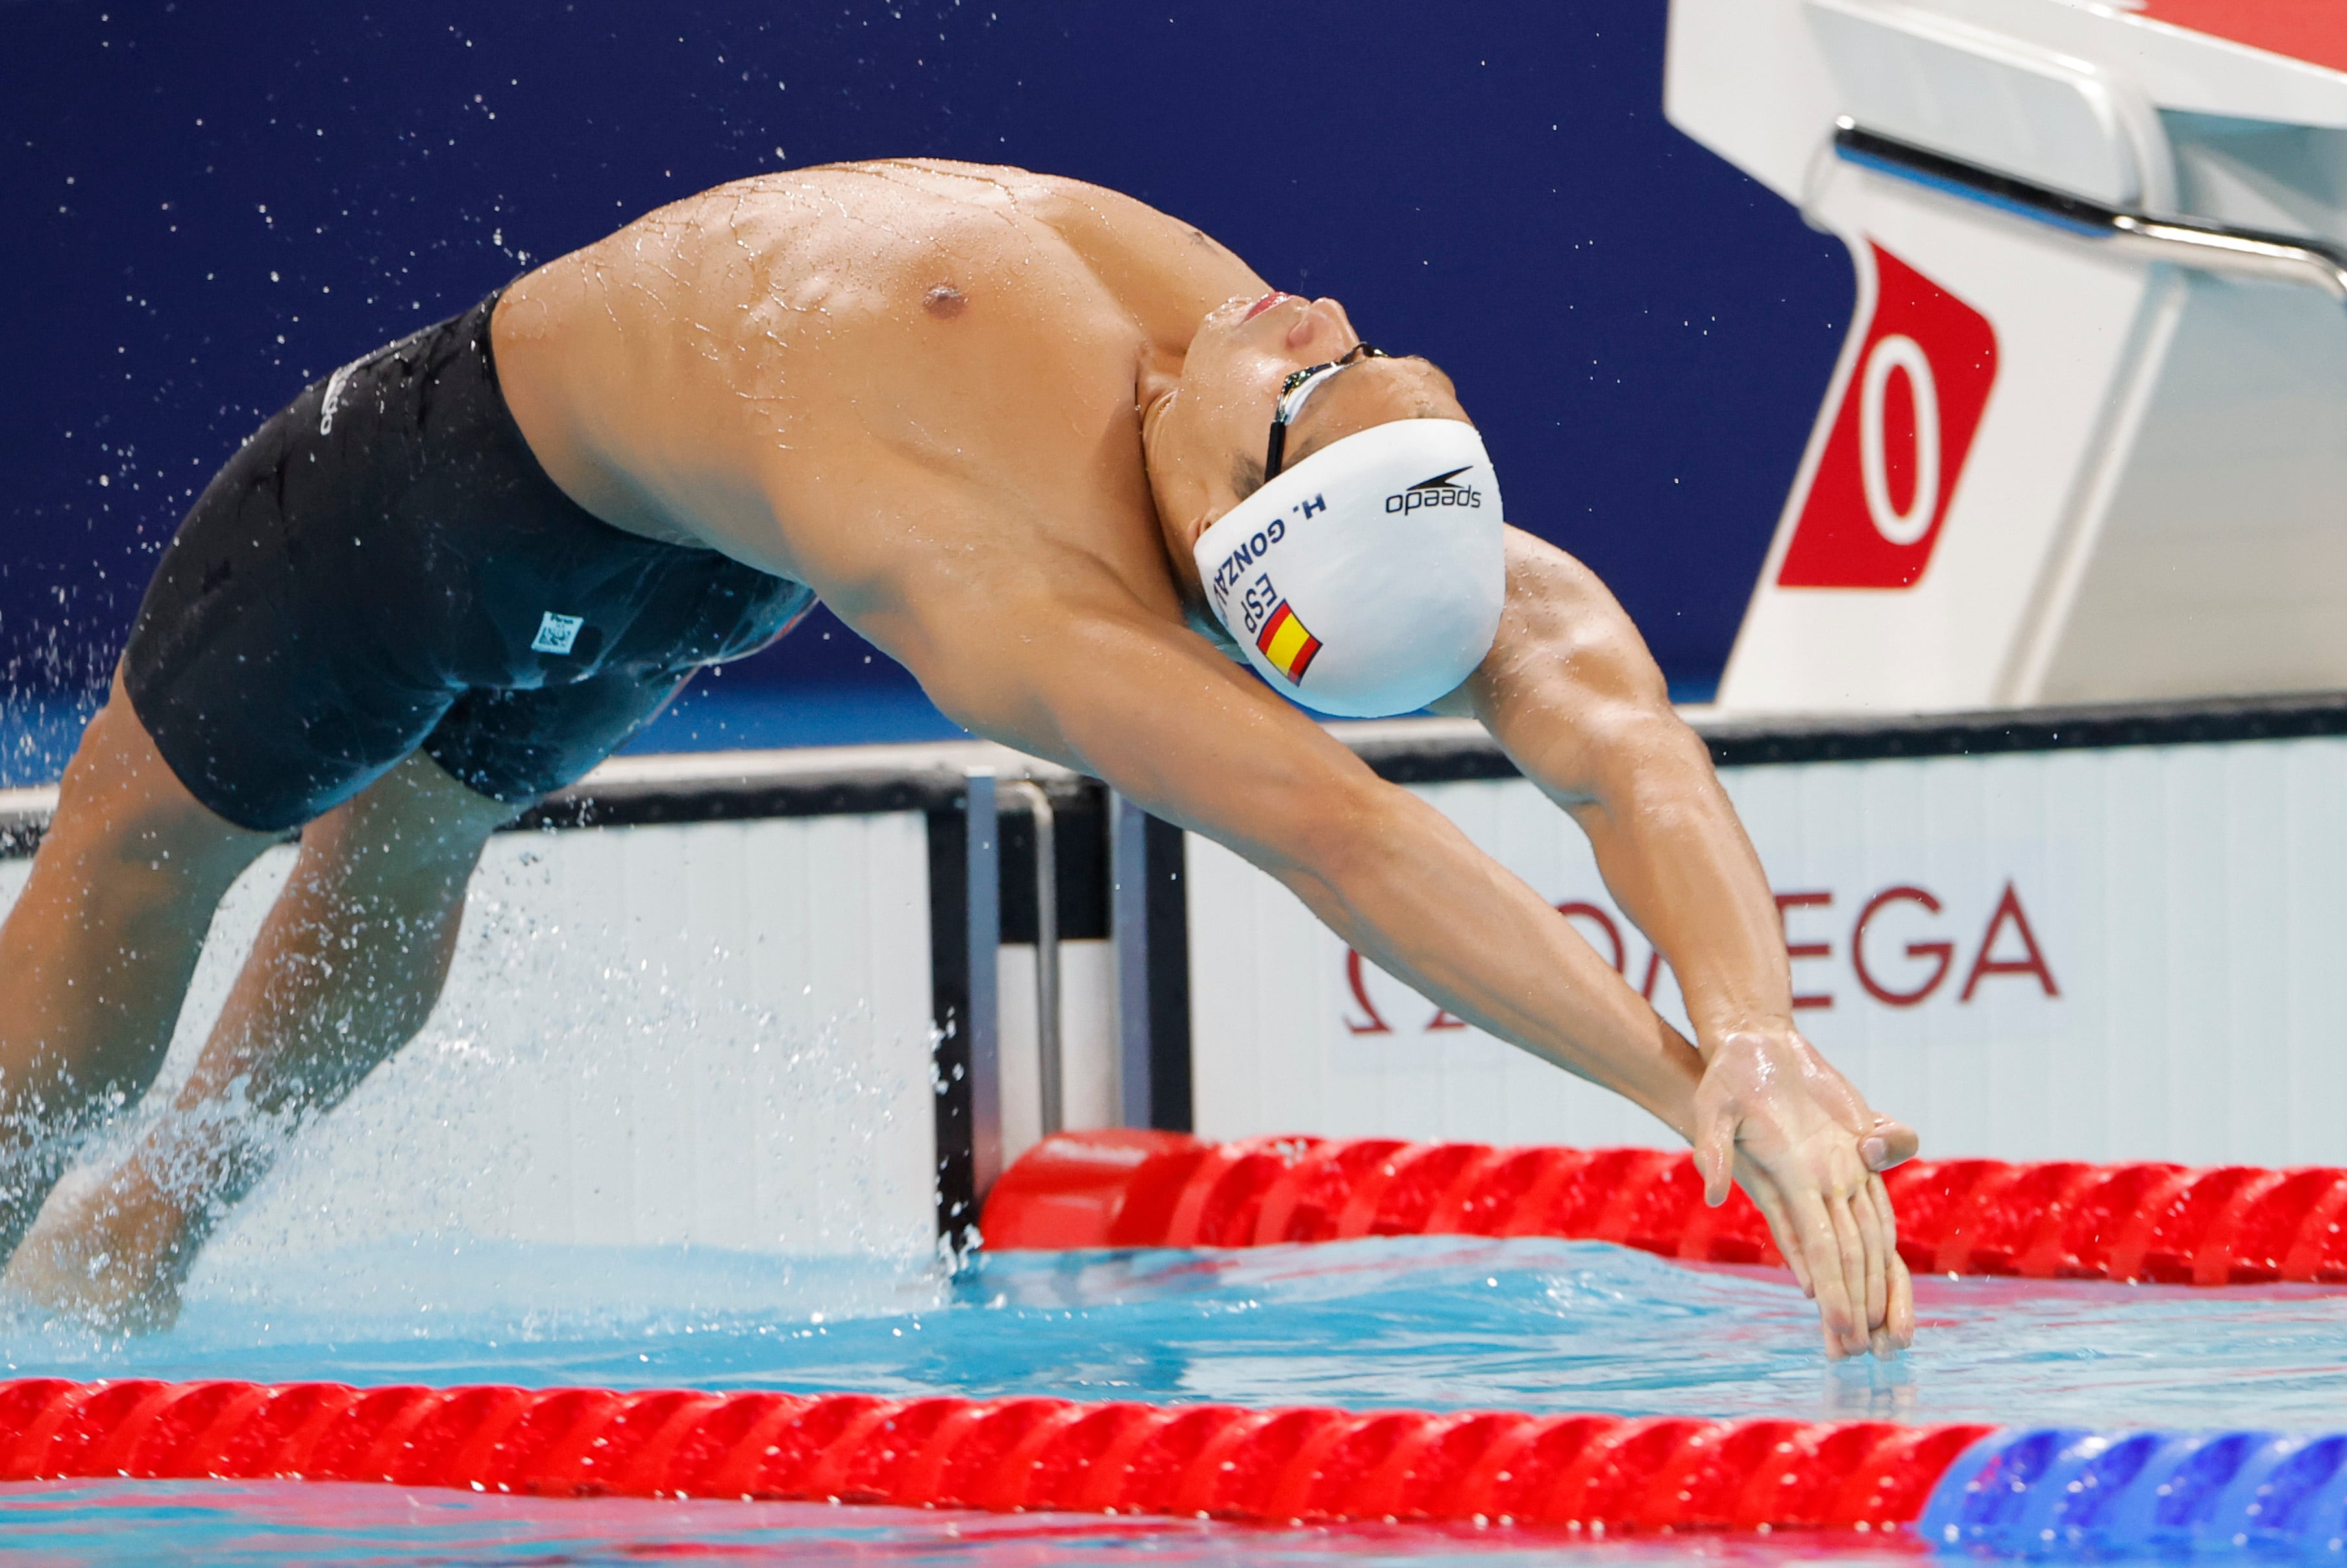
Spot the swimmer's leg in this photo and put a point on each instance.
(97, 953)
(345, 971)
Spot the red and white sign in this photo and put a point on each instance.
(2082, 954)
(1899, 440)
(1904, 947)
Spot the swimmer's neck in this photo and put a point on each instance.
(1157, 373)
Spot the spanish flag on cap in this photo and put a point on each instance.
(1284, 642)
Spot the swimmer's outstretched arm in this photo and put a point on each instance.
(1571, 692)
(1070, 666)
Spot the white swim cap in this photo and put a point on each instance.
(1367, 580)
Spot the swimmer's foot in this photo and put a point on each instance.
(107, 1252)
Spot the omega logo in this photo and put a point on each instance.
(1893, 971)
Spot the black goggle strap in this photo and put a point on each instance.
(1299, 385)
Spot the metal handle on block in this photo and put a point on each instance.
(983, 890)
(1047, 951)
(2205, 247)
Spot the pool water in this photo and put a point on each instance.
(1428, 1322)
(1424, 1322)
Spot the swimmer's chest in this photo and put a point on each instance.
(839, 413)
(952, 433)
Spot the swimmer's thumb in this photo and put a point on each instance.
(1714, 1154)
(1887, 1143)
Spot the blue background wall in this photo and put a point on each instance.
(207, 204)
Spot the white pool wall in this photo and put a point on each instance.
(714, 1034)
(2187, 903)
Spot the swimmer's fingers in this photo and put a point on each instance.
(1850, 1252)
(1762, 1188)
(1831, 1268)
(1897, 1330)
(1878, 1279)
(1879, 1196)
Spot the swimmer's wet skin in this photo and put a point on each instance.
(1001, 423)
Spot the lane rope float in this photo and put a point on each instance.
(1595, 1473)
(2067, 1493)
(2045, 1492)
(2150, 1222)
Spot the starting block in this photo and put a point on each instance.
(2087, 441)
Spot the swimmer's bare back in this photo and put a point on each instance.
(910, 386)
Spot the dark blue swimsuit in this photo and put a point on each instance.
(384, 566)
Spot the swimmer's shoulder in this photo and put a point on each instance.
(1165, 271)
(1077, 209)
(1131, 244)
(1084, 211)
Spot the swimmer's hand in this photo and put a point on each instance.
(1773, 1115)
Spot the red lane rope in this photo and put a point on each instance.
(2230, 1224)
(1595, 1473)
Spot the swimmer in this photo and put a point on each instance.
(1067, 459)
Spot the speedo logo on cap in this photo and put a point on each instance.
(1441, 490)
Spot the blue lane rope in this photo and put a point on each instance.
(2067, 1493)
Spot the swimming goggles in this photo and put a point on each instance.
(1298, 386)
